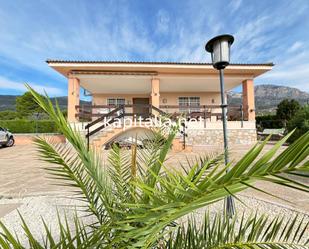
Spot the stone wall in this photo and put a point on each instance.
(215, 136)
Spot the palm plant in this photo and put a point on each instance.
(137, 202)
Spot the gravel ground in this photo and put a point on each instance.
(33, 208)
(24, 186)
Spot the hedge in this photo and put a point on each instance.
(29, 126)
(300, 122)
(270, 122)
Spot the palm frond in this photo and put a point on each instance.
(254, 231)
(66, 237)
(176, 194)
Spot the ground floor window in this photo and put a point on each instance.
(189, 104)
(115, 101)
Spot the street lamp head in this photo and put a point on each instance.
(219, 47)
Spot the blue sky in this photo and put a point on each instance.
(265, 31)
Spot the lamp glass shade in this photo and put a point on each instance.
(221, 52)
(219, 47)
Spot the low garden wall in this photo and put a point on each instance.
(25, 139)
(215, 136)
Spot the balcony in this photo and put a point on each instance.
(208, 113)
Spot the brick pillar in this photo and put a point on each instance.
(248, 99)
(73, 98)
(155, 92)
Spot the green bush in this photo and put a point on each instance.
(286, 109)
(9, 115)
(300, 121)
(26, 105)
(269, 122)
(29, 126)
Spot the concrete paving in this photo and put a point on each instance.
(8, 208)
(22, 175)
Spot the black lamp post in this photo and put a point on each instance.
(219, 47)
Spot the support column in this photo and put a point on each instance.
(155, 92)
(248, 99)
(73, 98)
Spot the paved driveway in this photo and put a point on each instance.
(22, 174)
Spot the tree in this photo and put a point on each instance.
(26, 105)
(286, 109)
(136, 202)
(300, 122)
(9, 115)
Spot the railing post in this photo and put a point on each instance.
(123, 113)
(183, 132)
(184, 137)
(204, 116)
(242, 116)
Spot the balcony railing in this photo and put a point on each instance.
(207, 112)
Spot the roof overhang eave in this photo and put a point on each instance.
(67, 67)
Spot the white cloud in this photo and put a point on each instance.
(163, 21)
(296, 45)
(234, 5)
(20, 87)
(289, 73)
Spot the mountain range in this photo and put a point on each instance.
(8, 102)
(267, 97)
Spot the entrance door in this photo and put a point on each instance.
(141, 107)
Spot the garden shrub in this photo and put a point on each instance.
(269, 122)
(29, 126)
(300, 121)
(9, 115)
(287, 108)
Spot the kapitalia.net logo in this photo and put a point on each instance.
(156, 121)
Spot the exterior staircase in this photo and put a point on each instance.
(104, 137)
(102, 133)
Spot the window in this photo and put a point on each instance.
(116, 102)
(189, 104)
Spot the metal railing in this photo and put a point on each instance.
(143, 110)
(207, 112)
(113, 113)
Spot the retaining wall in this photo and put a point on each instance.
(215, 136)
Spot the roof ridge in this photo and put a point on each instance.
(151, 62)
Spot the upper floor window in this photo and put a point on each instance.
(116, 101)
(189, 104)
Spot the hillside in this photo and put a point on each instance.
(267, 98)
(7, 102)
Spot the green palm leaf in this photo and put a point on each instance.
(255, 231)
